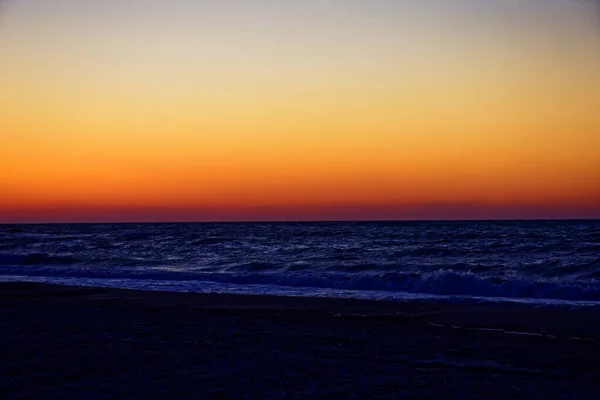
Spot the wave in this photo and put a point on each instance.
(35, 259)
(210, 241)
(41, 261)
(441, 282)
(445, 282)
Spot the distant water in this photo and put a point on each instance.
(536, 262)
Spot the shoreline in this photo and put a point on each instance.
(66, 341)
(275, 289)
(515, 317)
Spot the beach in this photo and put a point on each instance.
(84, 342)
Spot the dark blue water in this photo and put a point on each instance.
(528, 261)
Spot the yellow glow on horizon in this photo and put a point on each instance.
(330, 110)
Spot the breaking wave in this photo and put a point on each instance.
(518, 260)
(441, 282)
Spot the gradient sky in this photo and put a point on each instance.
(148, 110)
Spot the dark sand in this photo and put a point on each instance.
(65, 342)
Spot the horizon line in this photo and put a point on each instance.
(532, 219)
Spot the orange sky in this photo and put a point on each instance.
(206, 110)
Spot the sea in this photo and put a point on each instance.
(537, 263)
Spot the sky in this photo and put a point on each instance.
(198, 110)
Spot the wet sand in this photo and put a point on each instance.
(96, 343)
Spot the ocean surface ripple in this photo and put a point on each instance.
(538, 262)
